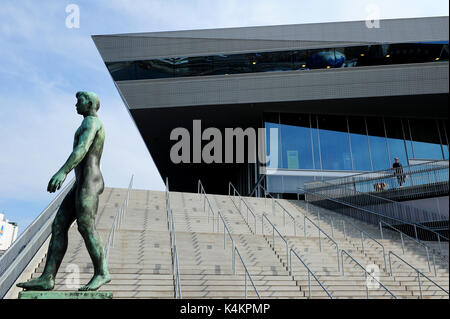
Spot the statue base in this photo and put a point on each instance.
(33, 294)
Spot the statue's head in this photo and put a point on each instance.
(87, 103)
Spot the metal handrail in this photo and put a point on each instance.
(419, 273)
(173, 243)
(274, 229)
(370, 237)
(246, 273)
(284, 215)
(117, 222)
(22, 251)
(378, 214)
(310, 272)
(111, 236)
(320, 240)
(261, 178)
(362, 237)
(383, 172)
(285, 211)
(234, 248)
(365, 274)
(176, 269)
(411, 238)
(304, 227)
(201, 191)
(241, 200)
(225, 227)
(415, 225)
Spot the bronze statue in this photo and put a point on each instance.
(81, 202)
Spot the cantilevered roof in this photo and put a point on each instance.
(131, 46)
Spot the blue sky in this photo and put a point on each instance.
(43, 64)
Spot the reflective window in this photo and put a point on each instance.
(359, 143)
(426, 142)
(334, 143)
(443, 124)
(377, 143)
(296, 141)
(395, 140)
(270, 149)
(315, 142)
(153, 69)
(273, 61)
(293, 60)
(233, 63)
(193, 66)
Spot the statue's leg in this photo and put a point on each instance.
(58, 245)
(86, 210)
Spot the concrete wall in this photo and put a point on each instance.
(436, 204)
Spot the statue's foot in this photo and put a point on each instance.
(40, 283)
(96, 282)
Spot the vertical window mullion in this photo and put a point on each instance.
(368, 143)
(386, 140)
(350, 143)
(318, 141)
(312, 142)
(410, 138)
(404, 141)
(440, 138)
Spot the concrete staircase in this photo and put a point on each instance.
(140, 261)
(141, 266)
(403, 284)
(206, 263)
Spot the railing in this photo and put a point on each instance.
(246, 274)
(431, 177)
(18, 256)
(285, 211)
(289, 253)
(257, 185)
(310, 208)
(234, 251)
(367, 235)
(364, 214)
(365, 274)
(379, 204)
(320, 230)
(118, 219)
(305, 218)
(425, 231)
(249, 210)
(402, 240)
(210, 211)
(173, 244)
(310, 272)
(274, 229)
(419, 273)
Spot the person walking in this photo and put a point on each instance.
(398, 172)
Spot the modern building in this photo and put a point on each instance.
(8, 233)
(346, 98)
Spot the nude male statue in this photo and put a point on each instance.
(81, 202)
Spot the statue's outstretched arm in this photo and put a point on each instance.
(89, 128)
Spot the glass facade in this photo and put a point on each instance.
(293, 60)
(353, 143)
